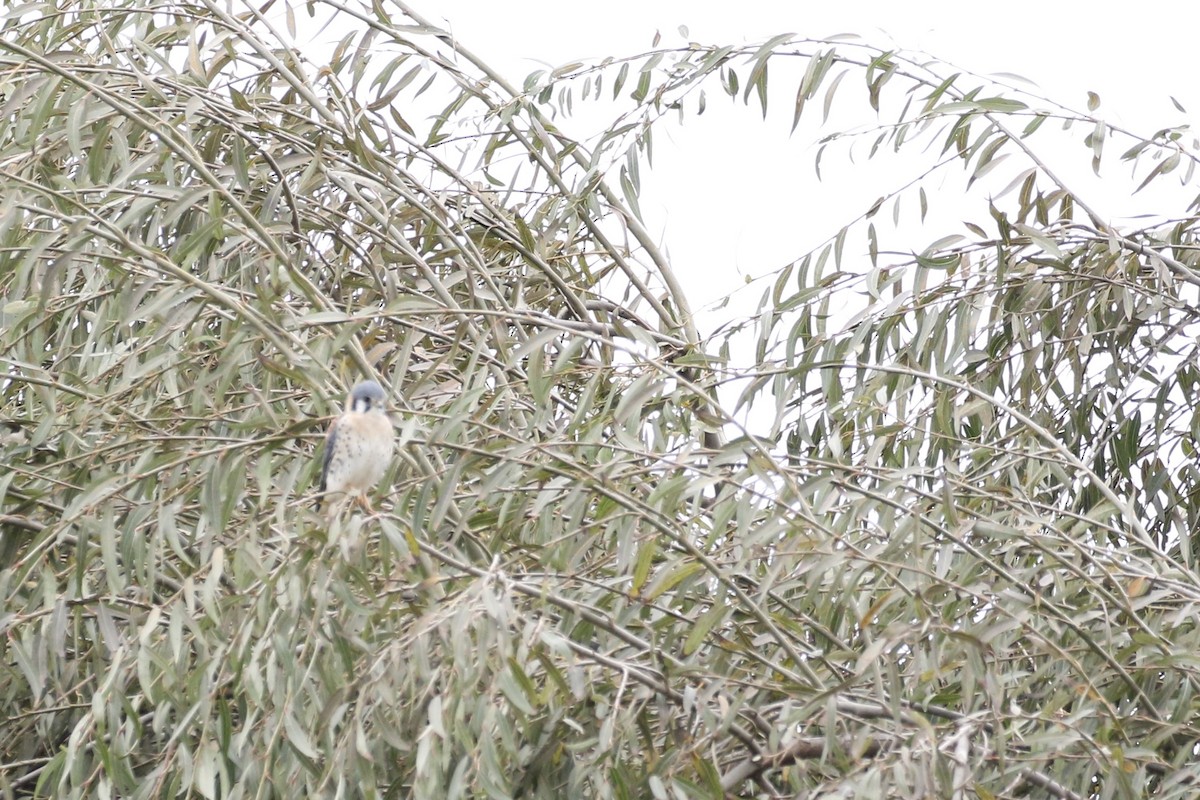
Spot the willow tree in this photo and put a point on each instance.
(933, 537)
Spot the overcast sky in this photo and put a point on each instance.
(1136, 53)
(733, 196)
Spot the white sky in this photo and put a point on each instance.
(1134, 54)
(733, 196)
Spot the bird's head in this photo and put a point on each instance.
(366, 396)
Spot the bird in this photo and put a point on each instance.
(358, 446)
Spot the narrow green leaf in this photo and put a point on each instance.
(647, 551)
(708, 620)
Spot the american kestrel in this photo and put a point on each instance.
(359, 444)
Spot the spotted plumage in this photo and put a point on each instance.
(358, 447)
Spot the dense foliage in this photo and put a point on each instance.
(933, 536)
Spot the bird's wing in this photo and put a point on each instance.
(330, 442)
